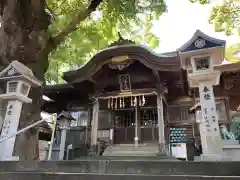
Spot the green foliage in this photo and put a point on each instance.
(232, 53)
(225, 16)
(133, 18)
(200, 1)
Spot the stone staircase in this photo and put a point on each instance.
(118, 170)
(121, 162)
(78, 176)
(132, 150)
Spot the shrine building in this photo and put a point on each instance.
(128, 94)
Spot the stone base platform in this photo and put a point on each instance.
(78, 176)
(112, 167)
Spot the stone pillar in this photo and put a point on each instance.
(62, 144)
(136, 138)
(209, 127)
(19, 79)
(64, 122)
(94, 129)
(10, 127)
(111, 136)
(2, 113)
(160, 123)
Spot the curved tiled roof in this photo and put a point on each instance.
(138, 52)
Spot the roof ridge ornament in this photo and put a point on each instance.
(120, 38)
(121, 41)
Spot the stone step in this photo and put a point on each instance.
(160, 157)
(131, 150)
(79, 176)
(139, 145)
(134, 148)
(130, 154)
(130, 165)
(133, 145)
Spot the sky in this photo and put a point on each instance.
(183, 18)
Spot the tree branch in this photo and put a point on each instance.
(72, 26)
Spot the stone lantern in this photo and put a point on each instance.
(18, 80)
(64, 123)
(198, 57)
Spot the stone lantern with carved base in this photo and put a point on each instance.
(64, 123)
(198, 57)
(18, 80)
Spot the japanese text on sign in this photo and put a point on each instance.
(208, 108)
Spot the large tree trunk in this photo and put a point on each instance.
(23, 37)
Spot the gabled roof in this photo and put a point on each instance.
(170, 54)
(209, 42)
(137, 52)
(228, 67)
(225, 62)
(16, 70)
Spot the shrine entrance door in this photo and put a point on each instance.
(148, 122)
(124, 126)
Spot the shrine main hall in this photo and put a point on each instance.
(128, 95)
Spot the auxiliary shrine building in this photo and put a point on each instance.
(127, 94)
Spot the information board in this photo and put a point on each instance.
(178, 139)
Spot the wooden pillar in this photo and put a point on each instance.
(94, 130)
(111, 131)
(136, 138)
(160, 123)
(87, 128)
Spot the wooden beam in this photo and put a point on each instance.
(92, 80)
(135, 92)
(159, 82)
(156, 75)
